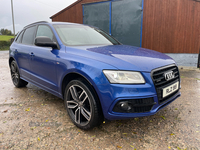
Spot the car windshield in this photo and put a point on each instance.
(79, 35)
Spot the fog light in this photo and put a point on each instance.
(125, 106)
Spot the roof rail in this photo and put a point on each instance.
(36, 23)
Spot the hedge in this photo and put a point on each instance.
(4, 45)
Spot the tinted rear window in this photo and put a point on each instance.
(29, 36)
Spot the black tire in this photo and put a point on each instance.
(15, 76)
(82, 105)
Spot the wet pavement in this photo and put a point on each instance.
(31, 118)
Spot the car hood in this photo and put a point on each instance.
(126, 57)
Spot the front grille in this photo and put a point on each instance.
(136, 105)
(160, 82)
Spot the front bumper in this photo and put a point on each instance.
(156, 107)
(111, 94)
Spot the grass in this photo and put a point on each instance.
(5, 37)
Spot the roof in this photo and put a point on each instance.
(45, 22)
(35, 23)
(64, 23)
(78, 1)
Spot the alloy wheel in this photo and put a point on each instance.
(79, 105)
(14, 73)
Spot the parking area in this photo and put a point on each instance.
(31, 118)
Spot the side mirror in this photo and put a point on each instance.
(45, 42)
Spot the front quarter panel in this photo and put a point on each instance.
(88, 68)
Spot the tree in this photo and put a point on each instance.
(6, 32)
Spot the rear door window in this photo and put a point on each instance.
(29, 36)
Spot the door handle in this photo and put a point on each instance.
(16, 51)
(32, 54)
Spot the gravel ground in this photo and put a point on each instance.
(31, 118)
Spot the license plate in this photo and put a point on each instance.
(170, 89)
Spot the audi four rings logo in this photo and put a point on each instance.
(169, 75)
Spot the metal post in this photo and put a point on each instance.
(198, 62)
(13, 18)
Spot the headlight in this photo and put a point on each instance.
(124, 77)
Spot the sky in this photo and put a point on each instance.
(29, 11)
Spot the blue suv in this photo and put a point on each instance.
(98, 77)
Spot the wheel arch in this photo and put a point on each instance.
(10, 60)
(72, 76)
(76, 75)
